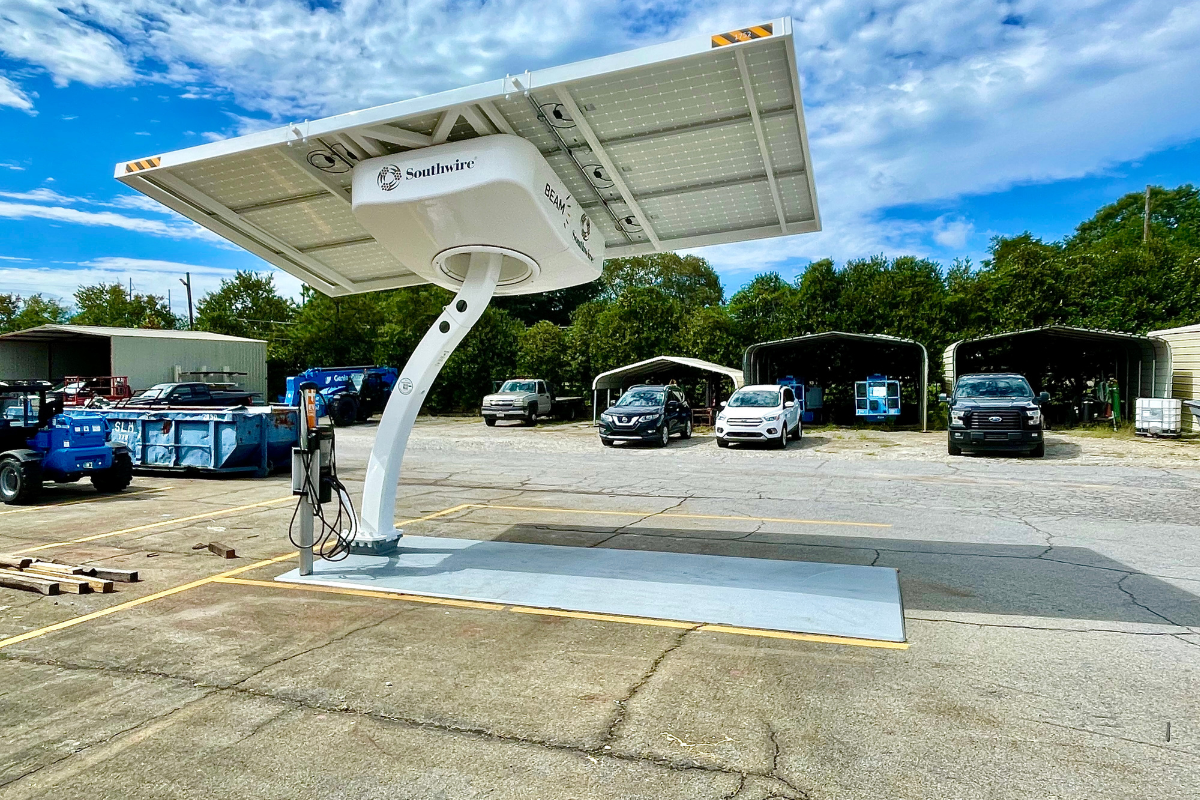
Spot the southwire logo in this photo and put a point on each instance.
(392, 176)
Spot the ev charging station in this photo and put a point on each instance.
(517, 186)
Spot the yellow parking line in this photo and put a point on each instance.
(666, 515)
(42, 506)
(412, 598)
(70, 623)
(805, 637)
(164, 523)
(554, 612)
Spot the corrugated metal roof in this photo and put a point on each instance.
(1184, 329)
(605, 380)
(44, 332)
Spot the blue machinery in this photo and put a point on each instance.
(345, 394)
(877, 399)
(811, 398)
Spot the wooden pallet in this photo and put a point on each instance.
(55, 577)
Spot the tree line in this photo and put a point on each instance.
(1106, 275)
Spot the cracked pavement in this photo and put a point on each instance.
(1052, 609)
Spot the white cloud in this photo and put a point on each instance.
(173, 230)
(952, 233)
(40, 196)
(12, 96)
(149, 276)
(44, 33)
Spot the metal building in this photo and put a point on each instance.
(835, 360)
(1061, 359)
(145, 356)
(1184, 367)
(659, 370)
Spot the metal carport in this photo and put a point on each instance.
(840, 357)
(1060, 359)
(658, 368)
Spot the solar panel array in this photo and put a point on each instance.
(681, 145)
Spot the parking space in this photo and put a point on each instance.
(1051, 610)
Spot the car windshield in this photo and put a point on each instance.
(519, 386)
(156, 391)
(993, 387)
(756, 398)
(642, 397)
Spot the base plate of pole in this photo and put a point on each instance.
(384, 545)
(802, 597)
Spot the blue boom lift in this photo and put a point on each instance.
(39, 443)
(345, 394)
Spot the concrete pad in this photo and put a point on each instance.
(795, 596)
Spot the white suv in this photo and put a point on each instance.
(760, 414)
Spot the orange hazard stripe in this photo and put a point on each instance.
(743, 35)
(145, 163)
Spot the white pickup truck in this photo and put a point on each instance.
(527, 399)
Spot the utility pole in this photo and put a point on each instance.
(1146, 218)
(188, 284)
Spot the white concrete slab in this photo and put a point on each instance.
(795, 596)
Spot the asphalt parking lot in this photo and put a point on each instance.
(1052, 612)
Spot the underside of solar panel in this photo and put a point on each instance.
(680, 145)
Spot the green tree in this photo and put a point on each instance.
(765, 309)
(335, 331)
(245, 305)
(818, 298)
(708, 333)
(687, 279)
(17, 313)
(641, 323)
(545, 353)
(111, 305)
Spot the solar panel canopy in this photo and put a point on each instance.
(685, 144)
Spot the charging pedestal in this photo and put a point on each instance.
(311, 462)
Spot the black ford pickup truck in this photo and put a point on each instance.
(997, 411)
(189, 394)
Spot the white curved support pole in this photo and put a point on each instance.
(377, 530)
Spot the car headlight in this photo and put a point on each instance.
(1035, 415)
(650, 418)
(956, 417)
(770, 418)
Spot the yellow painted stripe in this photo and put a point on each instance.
(70, 623)
(26, 509)
(720, 41)
(412, 598)
(667, 515)
(164, 523)
(805, 637)
(762, 30)
(553, 612)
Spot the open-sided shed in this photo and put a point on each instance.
(834, 360)
(1184, 384)
(1069, 363)
(660, 370)
(145, 356)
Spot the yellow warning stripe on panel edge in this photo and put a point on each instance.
(743, 35)
(145, 163)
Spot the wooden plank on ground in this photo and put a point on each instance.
(223, 551)
(112, 574)
(16, 562)
(57, 568)
(30, 583)
(77, 584)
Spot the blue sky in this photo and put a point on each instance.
(934, 124)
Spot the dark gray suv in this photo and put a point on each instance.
(995, 411)
(647, 414)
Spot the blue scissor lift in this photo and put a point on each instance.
(877, 399)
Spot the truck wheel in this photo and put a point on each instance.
(20, 481)
(531, 415)
(953, 450)
(343, 411)
(1039, 451)
(489, 421)
(116, 477)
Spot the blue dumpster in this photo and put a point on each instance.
(253, 439)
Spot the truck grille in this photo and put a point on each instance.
(997, 420)
(745, 420)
